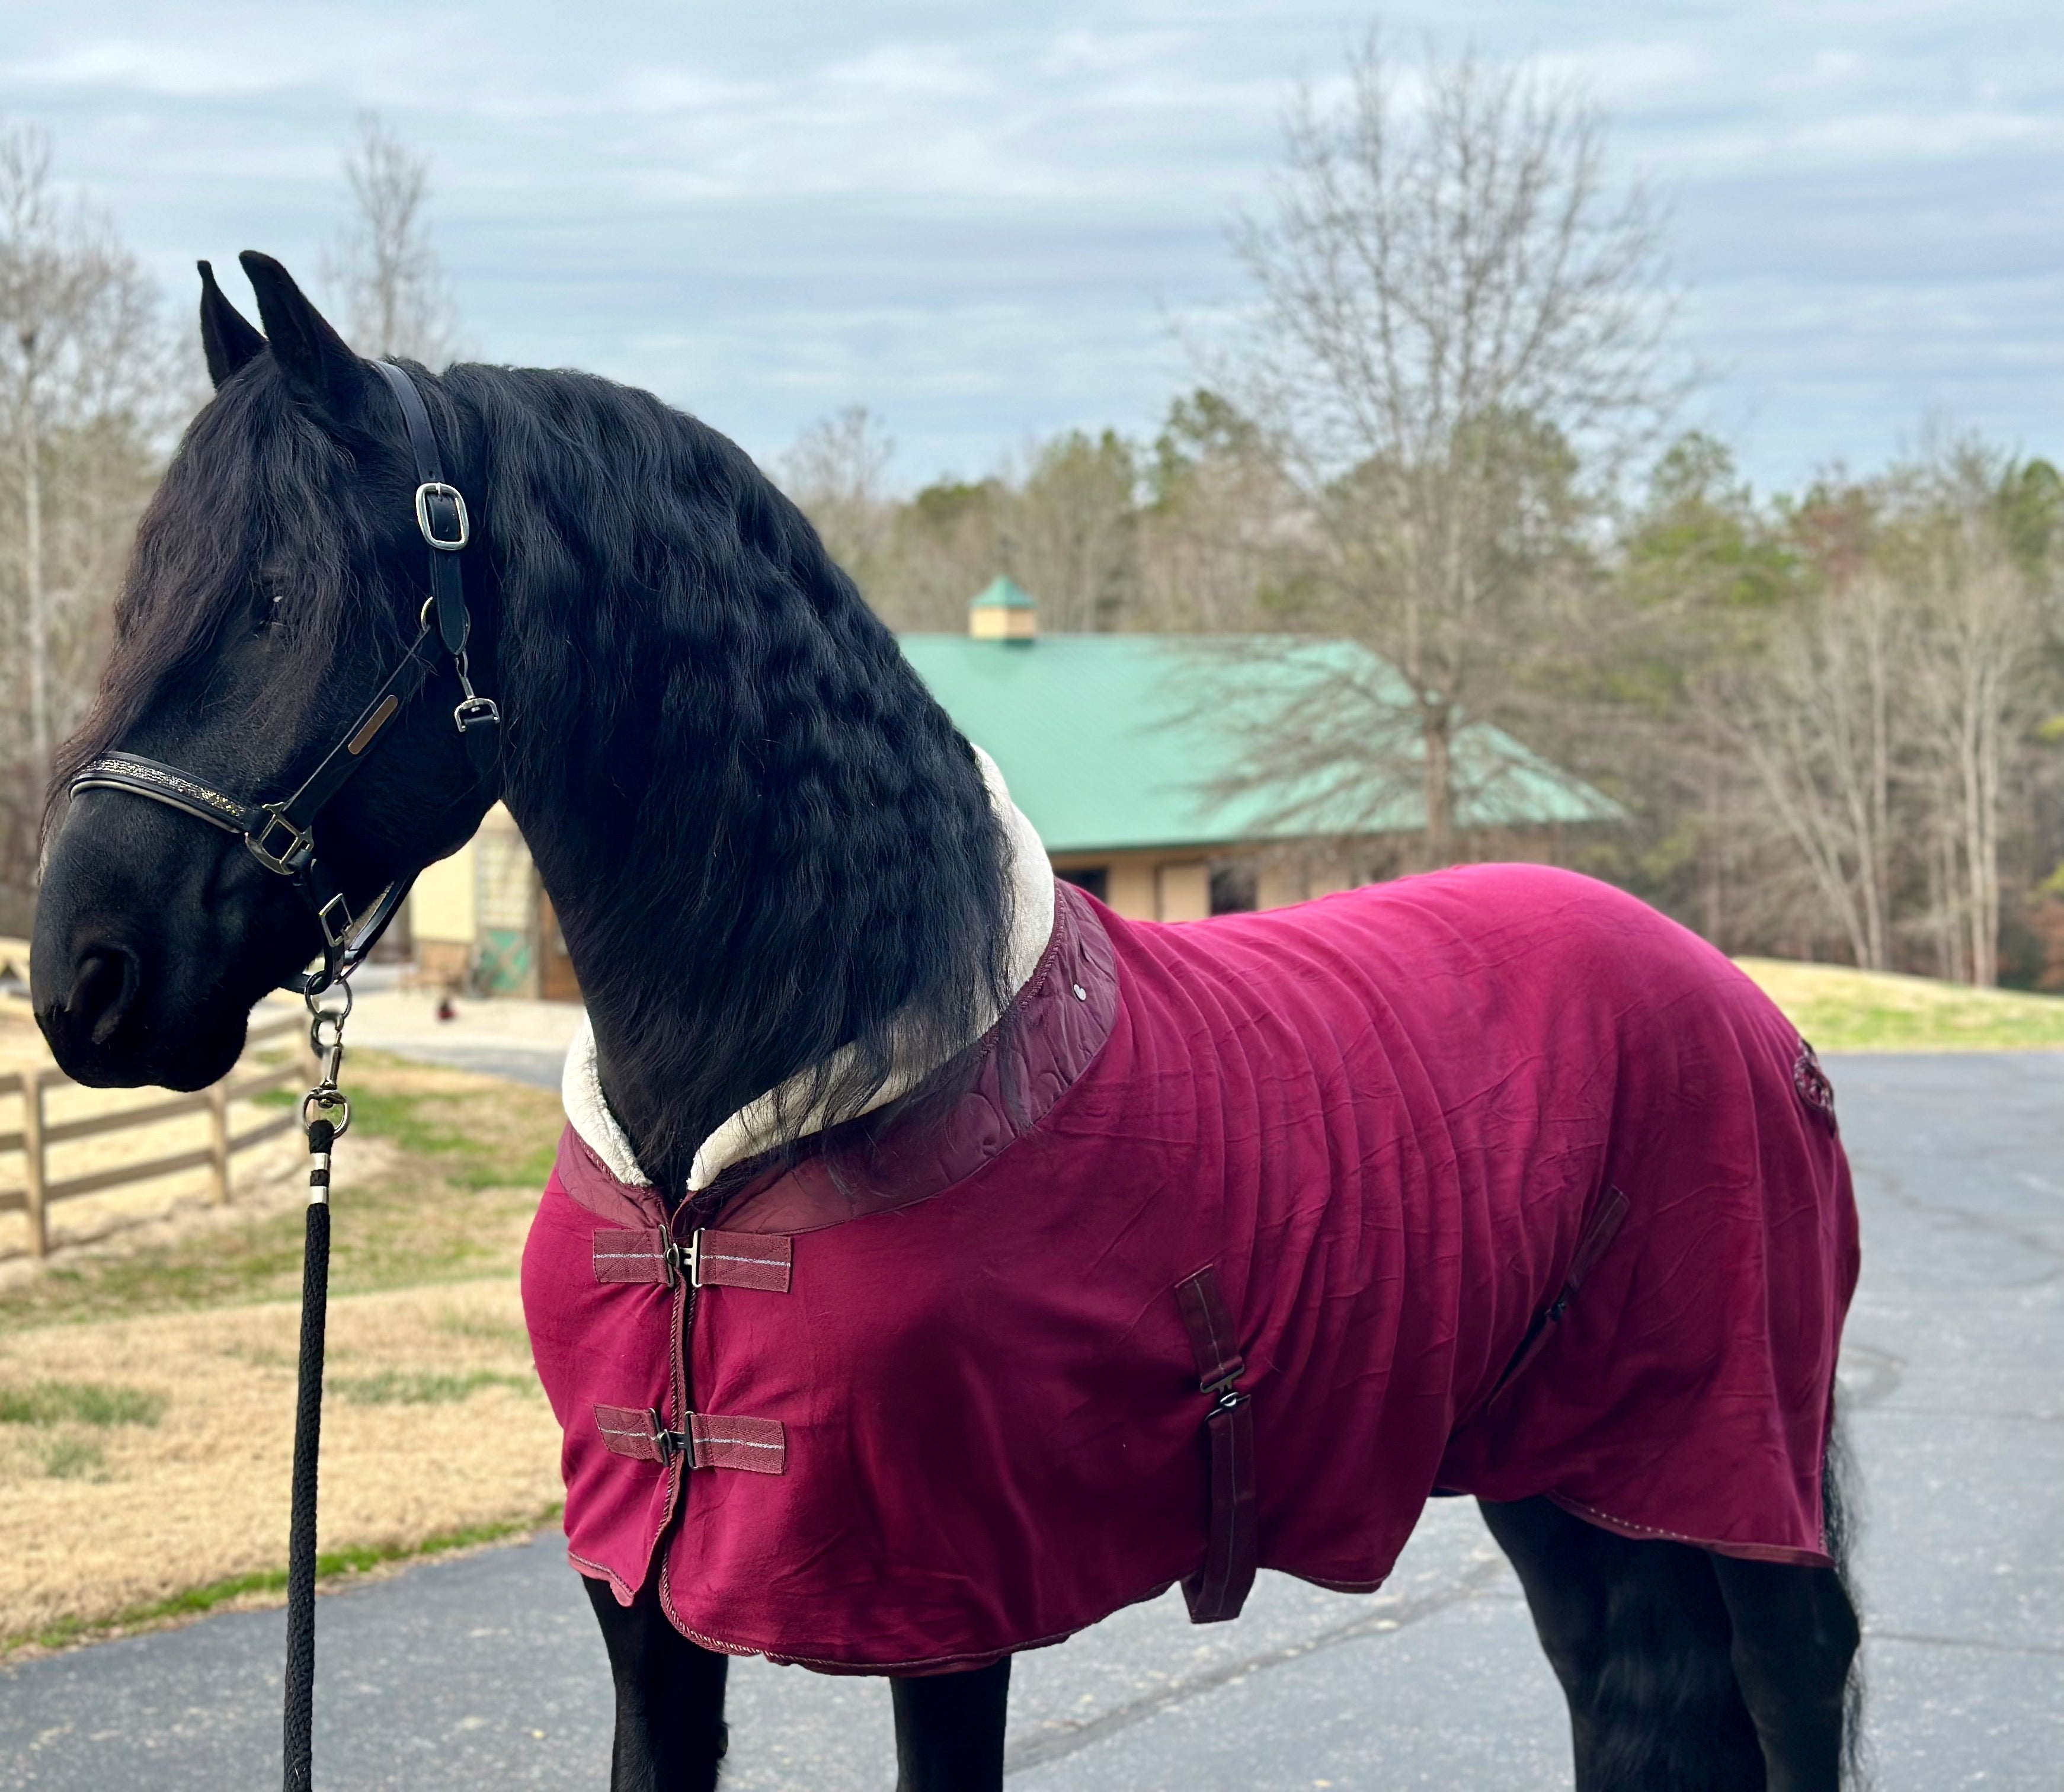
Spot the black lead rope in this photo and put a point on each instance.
(325, 1116)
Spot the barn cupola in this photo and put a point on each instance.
(1003, 610)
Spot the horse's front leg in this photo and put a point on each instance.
(950, 1730)
(670, 1729)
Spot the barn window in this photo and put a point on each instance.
(1233, 889)
(1095, 879)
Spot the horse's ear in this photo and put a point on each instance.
(228, 340)
(319, 370)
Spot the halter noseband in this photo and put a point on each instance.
(281, 834)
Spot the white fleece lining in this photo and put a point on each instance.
(749, 1129)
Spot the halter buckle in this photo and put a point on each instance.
(287, 861)
(336, 931)
(437, 489)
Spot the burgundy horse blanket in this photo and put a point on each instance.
(1252, 1234)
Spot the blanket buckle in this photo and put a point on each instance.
(1220, 1389)
(684, 1261)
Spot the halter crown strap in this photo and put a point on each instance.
(440, 512)
(281, 835)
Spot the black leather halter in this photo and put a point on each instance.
(281, 834)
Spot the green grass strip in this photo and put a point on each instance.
(1844, 1010)
(422, 1387)
(82, 1403)
(332, 1565)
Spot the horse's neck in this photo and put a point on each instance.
(632, 1074)
(647, 1018)
(751, 870)
(652, 1019)
(637, 1068)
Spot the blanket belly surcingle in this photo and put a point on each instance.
(1512, 1186)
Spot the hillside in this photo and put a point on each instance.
(1844, 1010)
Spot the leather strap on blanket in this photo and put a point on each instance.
(1604, 1227)
(1218, 1589)
(710, 1259)
(712, 1440)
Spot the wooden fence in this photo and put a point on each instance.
(35, 1137)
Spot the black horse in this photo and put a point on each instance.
(765, 842)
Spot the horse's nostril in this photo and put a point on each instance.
(103, 990)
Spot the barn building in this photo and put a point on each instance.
(1120, 749)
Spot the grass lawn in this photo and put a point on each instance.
(146, 1387)
(1843, 1010)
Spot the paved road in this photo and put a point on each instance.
(487, 1671)
(524, 1041)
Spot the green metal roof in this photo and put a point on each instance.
(1113, 741)
(1002, 594)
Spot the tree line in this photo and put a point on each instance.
(1444, 427)
(97, 377)
(1834, 719)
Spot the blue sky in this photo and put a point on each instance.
(986, 222)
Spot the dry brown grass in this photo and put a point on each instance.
(146, 1385)
(434, 1423)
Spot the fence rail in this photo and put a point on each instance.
(35, 1137)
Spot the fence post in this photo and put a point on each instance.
(32, 1160)
(218, 1142)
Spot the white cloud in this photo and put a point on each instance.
(977, 221)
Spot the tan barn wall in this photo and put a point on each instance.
(1282, 881)
(1278, 886)
(1134, 893)
(444, 906)
(1185, 887)
(1173, 884)
(445, 964)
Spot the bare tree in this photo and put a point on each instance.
(837, 471)
(383, 266)
(946, 543)
(1070, 532)
(1976, 703)
(1064, 521)
(1814, 720)
(1460, 313)
(89, 380)
(1220, 548)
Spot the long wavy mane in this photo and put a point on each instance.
(765, 838)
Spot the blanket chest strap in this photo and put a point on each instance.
(712, 1440)
(1219, 1588)
(708, 1259)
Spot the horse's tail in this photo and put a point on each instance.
(1840, 1518)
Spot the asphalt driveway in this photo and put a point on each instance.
(487, 1671)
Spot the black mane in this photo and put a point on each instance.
(764, 839)
(255, 499)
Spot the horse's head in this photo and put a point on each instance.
(278, 578)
